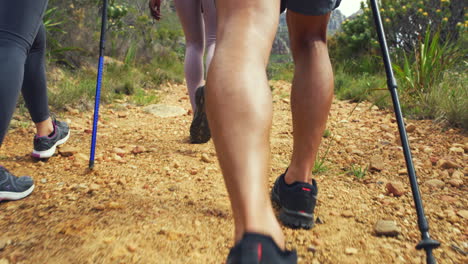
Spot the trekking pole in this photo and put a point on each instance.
(98, 83)
(426, 243)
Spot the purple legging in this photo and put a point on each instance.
(200, 37)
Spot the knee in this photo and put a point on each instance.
(39, 43)
(195, 47)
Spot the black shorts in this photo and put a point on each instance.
(310, 7)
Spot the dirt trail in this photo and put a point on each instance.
(165, 202)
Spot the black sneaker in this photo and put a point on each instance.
(296, 202)
(199, 129)
(259, 249)
(44, 147)
(14, 188)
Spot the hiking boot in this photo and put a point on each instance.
(44, 147)
(199, 129)
(296, 202)
(14, 188)
(259, 249)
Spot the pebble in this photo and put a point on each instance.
(463, 214)
(4, 261)
(386, 228)
(435, 183)
(114, 205)
(68, 151)
(410, 128)
(457, 150)
(205, 158)
(447, 164)
(456, 182)
(376, 163)
(94, 187)
(119, 151)
(4, 243)
(312, 249)
(43, 180)
(396, 188)
(351, 251)
(347, 213)
(314, 261)
(457, 175)
(132, 248)
(138, 150)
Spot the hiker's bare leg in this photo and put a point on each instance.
(312, 90)
(239, 110)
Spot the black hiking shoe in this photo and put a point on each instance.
(44, 147)
(259, 249)
(296, 202)
(14, 188)
(199, 129)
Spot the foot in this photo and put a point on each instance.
(14, 188)
(199, 130)
(44, 147)
(296, 202)
(259, 249)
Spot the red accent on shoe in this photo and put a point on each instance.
(305, 189)
(302, 212)
(259, 252)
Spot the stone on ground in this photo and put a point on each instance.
(386, 228)
(162, 110)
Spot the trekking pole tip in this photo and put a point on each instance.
(91, 164)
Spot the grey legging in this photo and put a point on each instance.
(22, 60)
(200, 33)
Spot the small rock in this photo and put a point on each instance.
(376, 163)
(319, 221)
(81, 157)
(357, 152)
(119, 151)
(94, 187)
(396, 188)
(312, 249)
(99, 207)
(4, 261)
(205, 158)
(347, 213)
(386, 228)
(402, 172)
(456, 182)
(435, 183)
(114, 205)
(43, 181)
(4, 243)
(351, 251)
(449, 199)
(457, 175)
(447, 164)
(132, 248)
(68, 151)
(314, 261)
(71, 198)
(138, 150)
(122, 114)
(457, 150)
(410, 128)
(463, 214)
(122, 182)
(193, 171)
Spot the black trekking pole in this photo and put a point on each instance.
(426, 243)
(98, 83)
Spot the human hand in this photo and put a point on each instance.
(155, 9)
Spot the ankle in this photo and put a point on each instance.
(297, 175)
(45, 128)
(268, 226)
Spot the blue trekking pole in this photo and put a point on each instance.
(98, 83)
(426, 242)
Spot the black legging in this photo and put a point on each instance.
(22, 60)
